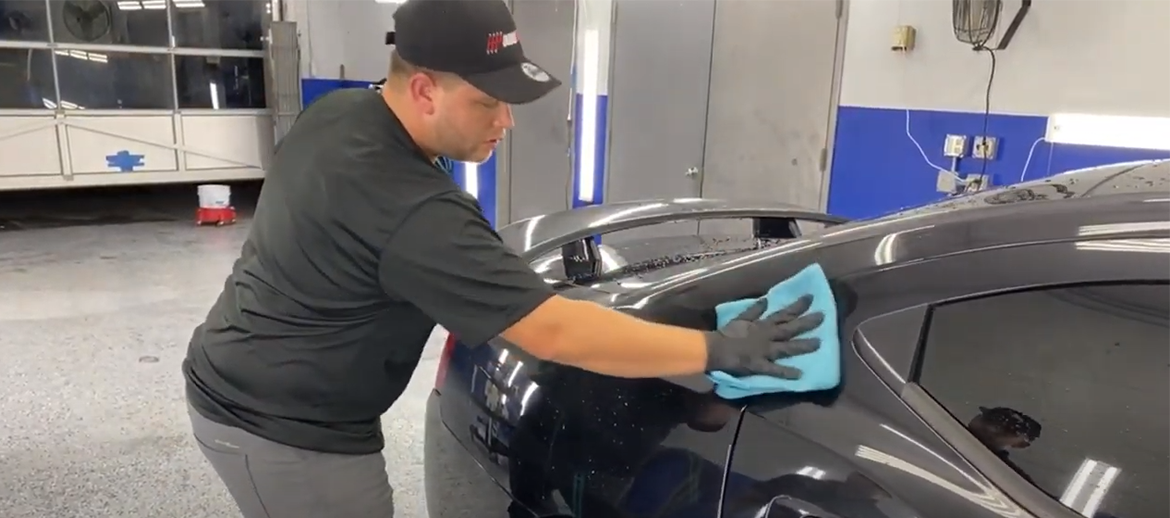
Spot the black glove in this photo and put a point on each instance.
(748, 346)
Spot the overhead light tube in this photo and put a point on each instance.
(590, 78)
(1109, 131)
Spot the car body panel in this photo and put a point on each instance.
(870, 433)
(584, 439)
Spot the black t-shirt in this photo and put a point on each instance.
(358, 247)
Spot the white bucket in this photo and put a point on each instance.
(215, 196)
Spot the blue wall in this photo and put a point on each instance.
(313, 88)
(877, 169)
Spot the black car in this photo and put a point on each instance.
(1005, 355)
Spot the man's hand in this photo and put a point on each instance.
(747, 346)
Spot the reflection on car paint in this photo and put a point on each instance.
(598, 452)
(498, 389)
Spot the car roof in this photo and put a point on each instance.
(1147, 176)
(1076, 196)
(1042, 210)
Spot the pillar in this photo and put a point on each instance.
(590, 99)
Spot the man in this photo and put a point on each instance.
(1002, 429)
(360, 244)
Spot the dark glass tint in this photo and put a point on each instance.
(219, 24)
(1069, 386)
(26, 79)
(142, 22)
(114, 80)
(217, 82)
(24, 20)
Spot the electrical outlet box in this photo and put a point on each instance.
(947, 182)
(985, 147)
(977, 182)
(955, 146)
(903, 38)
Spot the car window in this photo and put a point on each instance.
(1068, 386)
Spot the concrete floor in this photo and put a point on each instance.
(94, 322)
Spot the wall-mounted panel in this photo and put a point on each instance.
(28, 146)
(124, 143)
(226, 141)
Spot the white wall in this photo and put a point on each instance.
(336, 33)
(1096, 56)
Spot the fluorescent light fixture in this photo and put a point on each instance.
(590, 79)
(1109, 131)
(812, 472)
(1115, 228)
(213, 89)
(471, 178)
(1088, 486)
(389, 1)
(138, 5)
(1155, 245)
(96, 57)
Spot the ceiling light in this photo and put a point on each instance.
(1109, 131)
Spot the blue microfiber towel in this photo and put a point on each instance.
(821, 368)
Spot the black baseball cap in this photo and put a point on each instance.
(1012, 421)
(473, 39)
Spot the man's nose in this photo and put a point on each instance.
(504, 119)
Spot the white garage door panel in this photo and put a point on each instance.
(227, 141)
(28, 146)
(134, 143)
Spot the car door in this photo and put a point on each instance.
(1039, 389)
(591, 446)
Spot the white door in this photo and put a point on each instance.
(772, 101)
(660, 69)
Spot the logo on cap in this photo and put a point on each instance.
(534, 72)
(497, 41)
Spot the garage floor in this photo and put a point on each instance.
(98, 296)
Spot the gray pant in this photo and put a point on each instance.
(271, 480)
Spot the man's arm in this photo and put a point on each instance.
(446, 260)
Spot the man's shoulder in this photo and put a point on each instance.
(342, 97)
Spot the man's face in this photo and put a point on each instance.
(466, 124)
(1016, 441)
(996, 436)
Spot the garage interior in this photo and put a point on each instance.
(110, 120)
